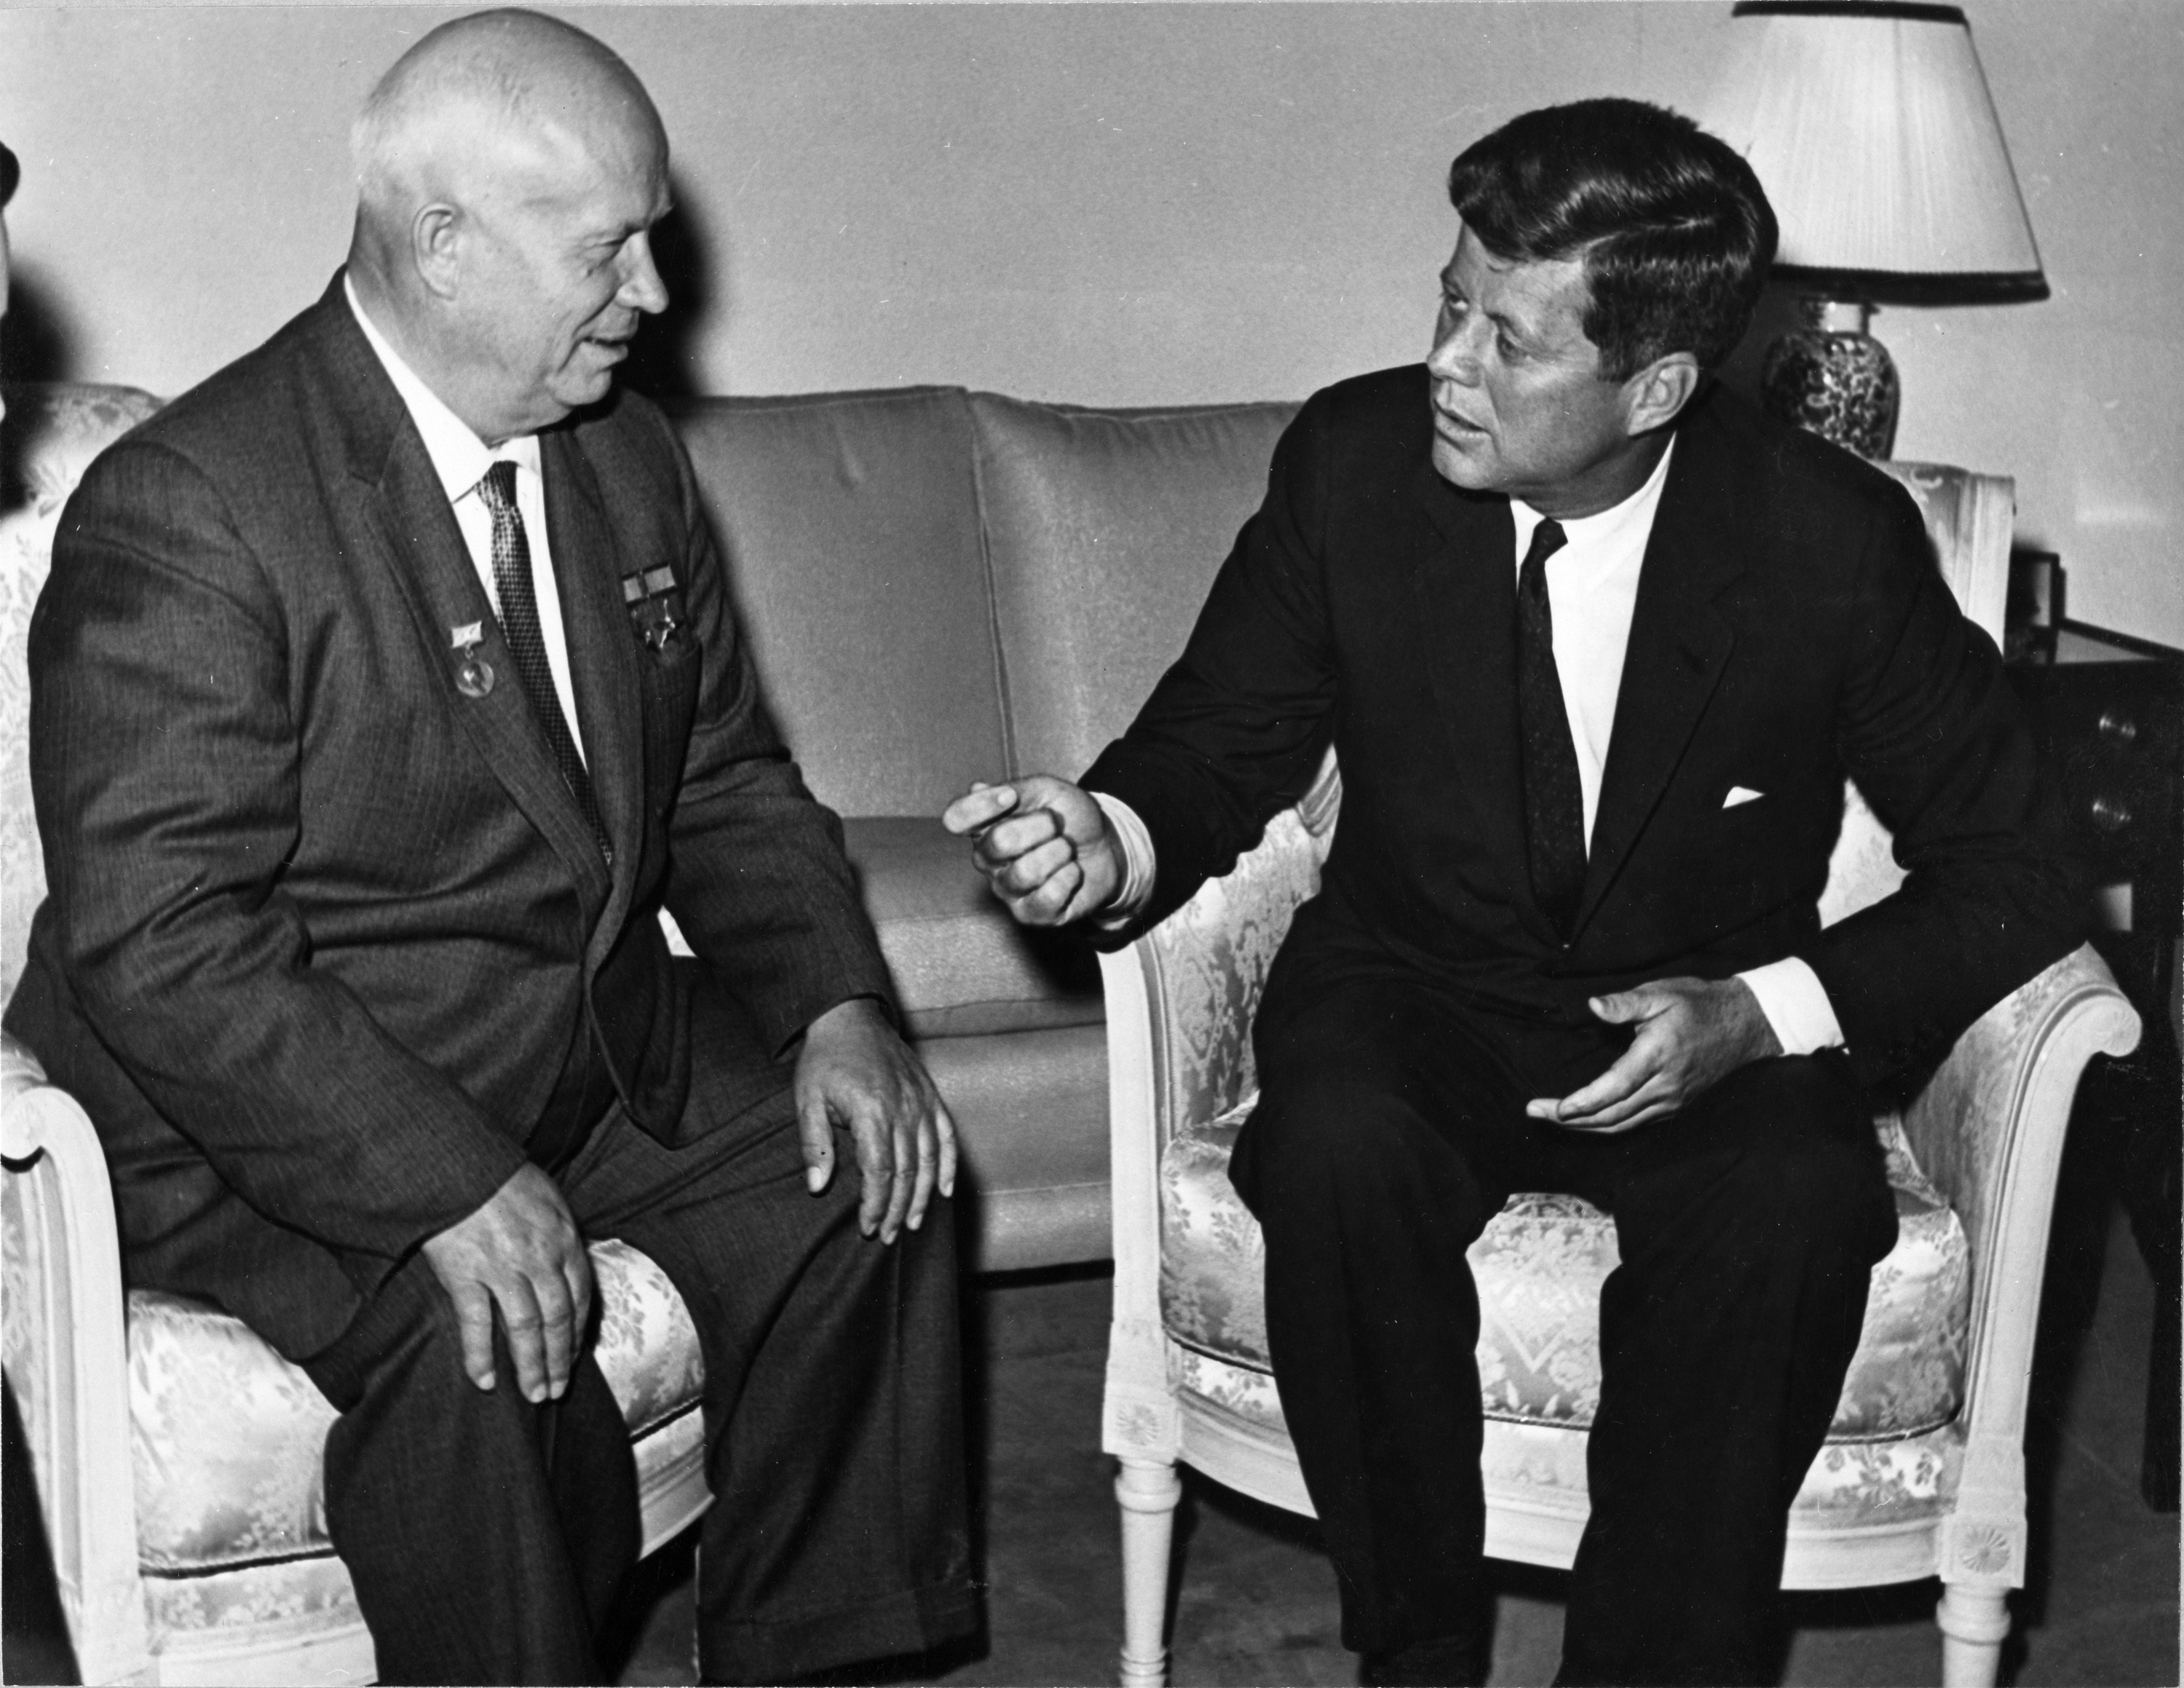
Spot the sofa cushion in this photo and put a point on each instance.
(1103, 530)
(849, 525)
(1539, 1266)
(1853, 1482)
(1031, 1109)
(961, 965)
(225, 1435)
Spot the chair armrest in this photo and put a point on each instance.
(1180, 1003)
(1187, 992)
(64, 1344)
(1988, 1129)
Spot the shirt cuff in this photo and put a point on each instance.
(1139, 865)
(1796, 1006)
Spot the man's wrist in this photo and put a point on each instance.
(1795, 1004)
(859, 1007)
(1134, 844)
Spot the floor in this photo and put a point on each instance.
(1257, 1602)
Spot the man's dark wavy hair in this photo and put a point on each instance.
(1673, 228)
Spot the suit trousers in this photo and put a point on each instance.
(486, 1537)
(1390, 1128)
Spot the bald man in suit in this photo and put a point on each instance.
(385, 690)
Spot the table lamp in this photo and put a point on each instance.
(1871, 127)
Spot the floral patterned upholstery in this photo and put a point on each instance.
(48, 438)
(225, 1437)
(1898, 1479)
(306, 1596)
(226, 1434)
(1539, 1266)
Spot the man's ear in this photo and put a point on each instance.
(1653, 396)
(434, 244)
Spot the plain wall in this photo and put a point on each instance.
(1114, 204)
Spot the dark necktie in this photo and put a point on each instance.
(1554, 802)
(519, 624)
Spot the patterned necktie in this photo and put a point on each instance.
(1554, 802)
(519, 624)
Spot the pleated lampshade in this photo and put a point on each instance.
(1871, 128)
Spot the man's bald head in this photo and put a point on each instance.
(510, 169)
(479, 88)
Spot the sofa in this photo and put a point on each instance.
(940, 586)
(944, 586)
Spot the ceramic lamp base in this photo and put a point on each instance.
(1832, 378)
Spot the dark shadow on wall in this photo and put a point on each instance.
(35, 342)
(663, 363)
(34, 346)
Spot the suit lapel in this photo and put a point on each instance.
(1466, 600)
(602, 660)
(400, 513)
(1678, 644)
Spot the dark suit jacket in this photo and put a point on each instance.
(322, 930)
(1790, 627)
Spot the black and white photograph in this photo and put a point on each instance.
(1071, 841)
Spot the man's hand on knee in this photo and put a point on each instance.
(1044, 845)
(520, 1252)
(854, 1072)
(1692, 1033)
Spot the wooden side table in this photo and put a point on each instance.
(2109, 713)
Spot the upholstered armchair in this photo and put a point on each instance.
(1923, 1471)
(176, 1456)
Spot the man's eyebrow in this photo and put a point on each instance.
(1515, 326)
(1499, 318)
(613, 234)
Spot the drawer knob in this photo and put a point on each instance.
(2118, 727)
(2111, 814)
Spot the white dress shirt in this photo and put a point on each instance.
(1592, 591)
(460, 459)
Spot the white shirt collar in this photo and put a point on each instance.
(460, 458)
(1608, 531)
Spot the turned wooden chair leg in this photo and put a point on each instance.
(1973, 1623)
(1147, 1491)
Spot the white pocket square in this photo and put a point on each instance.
(1739, 794)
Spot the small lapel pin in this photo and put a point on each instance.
(656, 623)
(474, 677)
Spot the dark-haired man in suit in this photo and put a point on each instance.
(1595, 647)
(385, 688)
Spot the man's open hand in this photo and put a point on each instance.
(854, 1071)
(1044, 845)
(1691, 1034)
(520, 1252)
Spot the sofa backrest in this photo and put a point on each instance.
(943, 587)
(1103, 533)
(849, 525)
